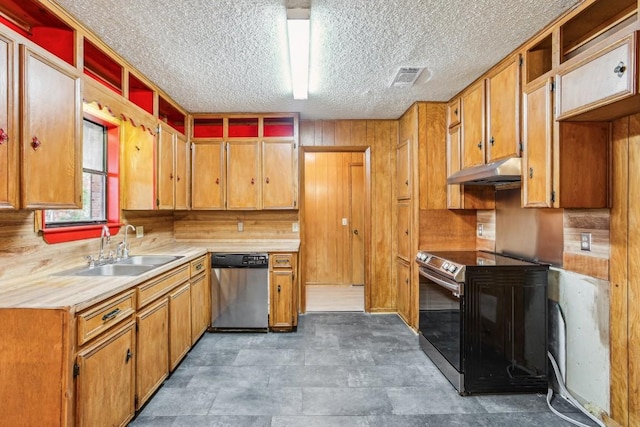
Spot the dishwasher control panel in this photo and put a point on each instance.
(246, 260)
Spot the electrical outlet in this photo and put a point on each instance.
(480, 230)
(345, 221)
(585, 241)
(139, 232)
(295, 227)
(240, 226)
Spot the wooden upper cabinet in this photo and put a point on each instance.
(454, 191)
(208, 180)
(9, 142)
(106, 380)
(243, 175)
(454, 112)
(137, 181)
(165, 184)
(473, 126)
(503, 116)
(403, 170)
(51, 132)
(598, 80)
(279, 175)
(538, 144)
(182, 173)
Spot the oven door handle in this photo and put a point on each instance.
(455, 288)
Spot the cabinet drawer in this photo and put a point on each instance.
(602, 78)
(281, 261)
(159, 286)
(454, 112)
(96, 320)
(198, 265)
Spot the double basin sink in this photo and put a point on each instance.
(132, 266)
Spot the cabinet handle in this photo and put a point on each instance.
(267, 180)
(491, 141)
(137, 148)
(530, 173)
(3, 136)
(480, 145)
(406, 182)
(406, 280)
(217, 180)
(129, 356)
(620, 69)
(35, 143)
(278, 288)
(199, 266)
(110, 315)
(406, 232)
(253, 181)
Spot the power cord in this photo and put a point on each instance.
(571, 399)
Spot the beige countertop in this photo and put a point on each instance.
(76, 293)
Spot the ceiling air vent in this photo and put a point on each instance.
(406, 77)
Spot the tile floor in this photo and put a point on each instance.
(339, 369)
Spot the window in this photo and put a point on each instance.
(100, 183)
(94, 182)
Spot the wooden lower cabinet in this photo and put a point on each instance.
(283, 313)
(105, 380)
(200, 306)
(153, 349)
(179, 324)
(403, 286)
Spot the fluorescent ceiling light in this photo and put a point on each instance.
(298, 33)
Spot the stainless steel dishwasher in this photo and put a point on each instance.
(239, 291)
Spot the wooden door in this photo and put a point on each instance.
(403, 288)
(153, 349)
(403, 170)
(182, 173)
(179, 324)
(51, 133)
(200, 306)
(166, 167)
(243, 175)
(208, 180)
(404, 230)
(454, 191)
(356, 222)
(279, 175)
(281, 315)
(473, 117)
(137, 180)
(503, 99)
(538, 143)
(105, 382)
(9, 141)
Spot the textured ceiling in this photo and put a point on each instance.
(231, 55)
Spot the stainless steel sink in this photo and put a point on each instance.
(155, 260)
(115, 270)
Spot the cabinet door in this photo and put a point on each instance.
(281, 315)
(503, 99)
(200, 306)
(9, 148)
(404, 230)
(153, 349)
(280, 177)
(454, 191)
(166, 167)
(403, 286)
(208, 175)
(454, 113)
(403, 170)
(473, 116)
(51, 133)
(137, 180)
(179, 324)
(105, 382)
(243, 175)
(537, 160)
(182, 173)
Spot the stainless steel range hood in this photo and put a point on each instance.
(496, 173)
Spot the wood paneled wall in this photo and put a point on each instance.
(25, 253)
(327, 190)
(442, 229)
(257, 225)
(379, 137)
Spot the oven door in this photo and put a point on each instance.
(441, 322)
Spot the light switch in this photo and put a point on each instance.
(240, 226)
(295, 227)
(345, 221)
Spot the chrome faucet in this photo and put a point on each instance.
(107, 234)
(125, 245)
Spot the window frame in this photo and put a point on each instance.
(62, 233)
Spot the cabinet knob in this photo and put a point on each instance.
(178, 178)
(267, 180)
(406, 281)
(406, 232)
(455, 111)
(620, 69)
(530, 173)
(171, 176)
(35, 143)
(491, 141)
(253, 181)
(129, 356)
(406, 182)
(278, 288)
(217, 180)
(480, 145)
(3, 136)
